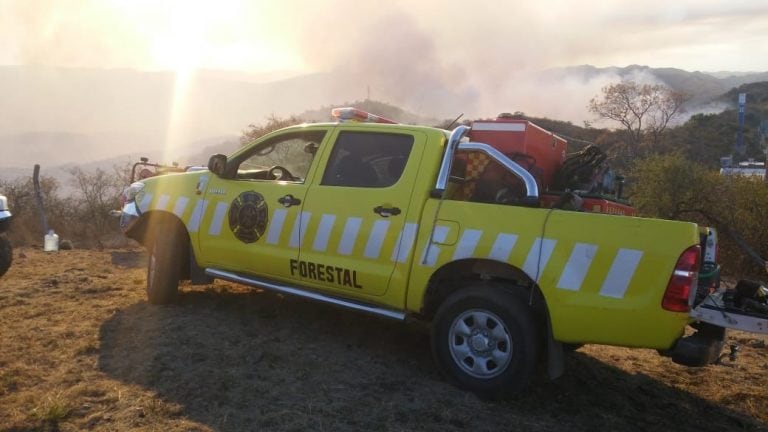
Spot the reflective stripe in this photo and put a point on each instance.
(181, 205)
(502, 247)
(404, 243)
(349, 236)
(432, 251)
(144, 204)
(218, 218)
(623, 268)
(197, 215)
(299, 229)
(323, 232)
(467, 244)
(538, 257)
(162, 202)
(577, 267)
(376, 239)
(509, 127)
(276, 226)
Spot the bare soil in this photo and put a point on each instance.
(80, 349)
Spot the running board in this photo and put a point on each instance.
(299, 292)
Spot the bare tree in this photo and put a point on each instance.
(644, 110)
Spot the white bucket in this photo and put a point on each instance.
(51, 243)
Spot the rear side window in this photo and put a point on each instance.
(365, 159)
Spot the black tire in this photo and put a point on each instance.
(6, 254)
(164, 266)
(506, 365)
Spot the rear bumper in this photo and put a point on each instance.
(700, 348)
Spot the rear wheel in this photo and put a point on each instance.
(485, 340)
(6, 254)
(164, 266)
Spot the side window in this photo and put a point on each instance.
(283, 158)
(365, 159)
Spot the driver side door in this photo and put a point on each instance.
(253, 223)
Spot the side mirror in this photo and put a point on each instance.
(217, 164)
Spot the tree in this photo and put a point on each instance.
(644, 110)
(274, 123)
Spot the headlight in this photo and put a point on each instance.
(134, 192)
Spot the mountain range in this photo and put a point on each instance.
(103, 117)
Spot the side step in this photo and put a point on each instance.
(300, 292)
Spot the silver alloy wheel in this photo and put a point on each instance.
(480, 343)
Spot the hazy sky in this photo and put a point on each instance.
(484, 38)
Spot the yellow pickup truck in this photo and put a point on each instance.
(370, 216)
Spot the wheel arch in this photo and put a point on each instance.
(457, 274)
(147, 227)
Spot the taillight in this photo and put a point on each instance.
(682, 285)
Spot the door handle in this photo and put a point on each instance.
(288, 201)
(386, 211)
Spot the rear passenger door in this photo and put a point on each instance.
(359, 208)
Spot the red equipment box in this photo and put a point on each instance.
(515, 136)
(593, 204)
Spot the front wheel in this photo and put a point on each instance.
(485, 340)
(164, 267)
(6, 254)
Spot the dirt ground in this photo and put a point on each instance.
(80, 349)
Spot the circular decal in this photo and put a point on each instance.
(248, 216)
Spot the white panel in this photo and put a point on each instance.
(467, 244)
(503, 246)
(218, 218)
(162, 202)
(621, 273)
(181, 205)
(432, 251)
(197, 215)
(324, 232)
(376, 239)
(349, 236)
(144, 204)
(538, 257)
(508, 127)
(577, 267)
(404, 243)
(276, 226)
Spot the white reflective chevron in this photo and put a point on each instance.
(538, 257)
(577, 267)
(323, 232)
(218, 218)
(404, 243)
(376, 239)
(162, 202)
(197, 215)
(503, 246)
(467, 244)
(299, 230)
(620, 275)
(276, 226)
(181, 205)
(432, 251)
(349, 236)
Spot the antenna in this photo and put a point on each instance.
(454, 121)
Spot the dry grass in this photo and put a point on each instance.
(80, 349)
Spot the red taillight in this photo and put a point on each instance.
(682, 284)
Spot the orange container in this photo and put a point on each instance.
(514, 136)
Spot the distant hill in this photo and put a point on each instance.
(701, 86)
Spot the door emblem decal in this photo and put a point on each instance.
(248, 216)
